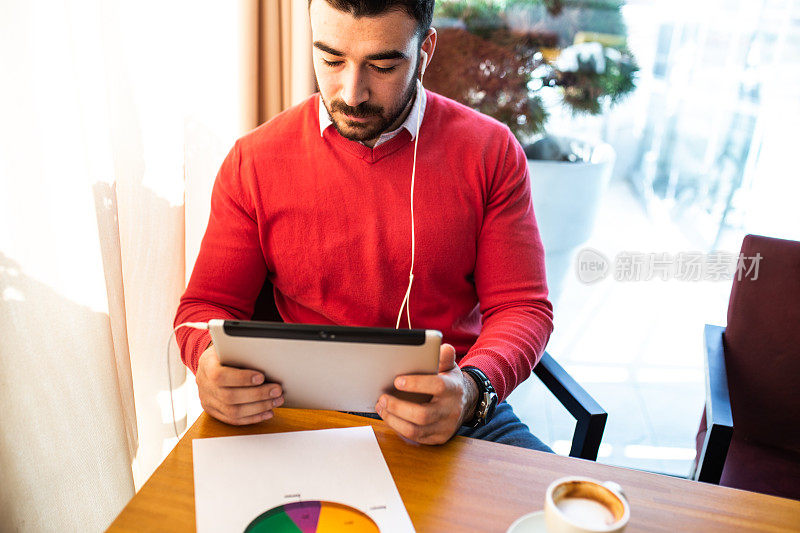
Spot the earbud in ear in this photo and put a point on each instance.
(423, 63)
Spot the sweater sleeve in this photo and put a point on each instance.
(517, 317)
(230, 269)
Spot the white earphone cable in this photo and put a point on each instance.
(407, 298)
(196, 325)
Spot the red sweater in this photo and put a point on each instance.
(328, 221)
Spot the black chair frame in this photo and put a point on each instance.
(589, 416)
(719, 418)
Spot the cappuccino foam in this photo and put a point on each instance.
(586, 512)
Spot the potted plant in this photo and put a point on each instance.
(514, 60)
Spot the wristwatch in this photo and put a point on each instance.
(487, 398)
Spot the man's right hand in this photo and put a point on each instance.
(233, 395)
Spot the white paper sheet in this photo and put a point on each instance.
(237, 479)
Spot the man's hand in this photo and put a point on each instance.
(455, 396)
(233, 395)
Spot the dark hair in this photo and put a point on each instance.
(419, 10)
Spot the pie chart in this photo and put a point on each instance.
(312, 517)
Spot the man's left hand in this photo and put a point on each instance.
(436, 421)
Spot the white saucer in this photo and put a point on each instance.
(529, 523)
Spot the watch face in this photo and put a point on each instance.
(486, 408)
(488, 397)
(492, 405)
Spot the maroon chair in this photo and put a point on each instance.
(753, 378)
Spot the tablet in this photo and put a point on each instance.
(328, 367)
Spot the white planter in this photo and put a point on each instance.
(566, 197)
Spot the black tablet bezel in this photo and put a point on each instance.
(281, 330)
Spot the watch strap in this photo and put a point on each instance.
(487, 398)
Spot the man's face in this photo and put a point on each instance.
(366, 68)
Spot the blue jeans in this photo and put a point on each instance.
(504, 427)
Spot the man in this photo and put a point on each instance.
(318, 201)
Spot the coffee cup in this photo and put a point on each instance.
(584, 505)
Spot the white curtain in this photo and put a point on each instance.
(114, 118)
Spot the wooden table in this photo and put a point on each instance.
(470, 485)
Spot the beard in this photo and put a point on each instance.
(379, 120)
